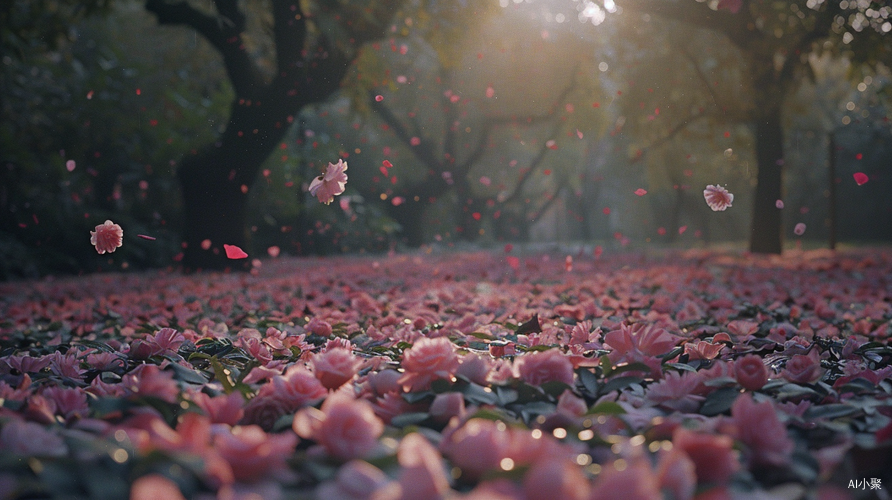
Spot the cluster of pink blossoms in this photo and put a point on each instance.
(696, 374)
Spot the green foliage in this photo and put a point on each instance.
(98, 100)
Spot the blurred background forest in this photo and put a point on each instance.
(485, 122)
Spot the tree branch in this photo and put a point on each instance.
(225, 38)
(670, 135)
(525, 176)
(423, 151)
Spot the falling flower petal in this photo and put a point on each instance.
(107, 237)
(860, 178)
(799, 230)
(234, 252)
(779, 204)
(327, 186)
(717, 197)
(70, 165)
(641, 192)
(146, 237)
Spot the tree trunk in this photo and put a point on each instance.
(410, 216)
(216, 181)
(766, 235)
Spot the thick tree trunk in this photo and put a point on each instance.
(216, 181)
(766, 235)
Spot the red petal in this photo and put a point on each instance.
(640, 192)
(234, 252)
(860, 178)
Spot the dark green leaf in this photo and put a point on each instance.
(411, 418)
(99, 346)
(554, 388)
(415, 397)
(630, 367)
(531, 326)
(719, 401)
(187, 375)
(477, 394)
(830, 411)
(589, 380)
(620, 383)
(606, 408)
(482, 336)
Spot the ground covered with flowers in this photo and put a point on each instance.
(463, 375)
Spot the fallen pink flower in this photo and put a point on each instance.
(347, 428)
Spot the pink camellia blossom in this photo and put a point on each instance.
(677, 474)
(476, 447)
(327, 186)
(717, 197)
(319, 327)
(221, 409)
(69, 402)
(750, 372)
(713, 455)
(347, 428)
(759, 428)
(335, 367)
(545, 366)
(107, 237)
(154, 486)
(803, 369)
(637, 481)
(447, 405)
(149, 380)
(356, 480)
(254, 454)
(30, 439)
(423, 473)
(282, 395)
(638, 342)
(548, 479)
(428, 360)
(676, 391)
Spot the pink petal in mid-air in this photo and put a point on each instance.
(779, 204)
(641, 191)
(860, 178)
(70, 165)
(799, 230)
(146, 237)
(234, 252)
